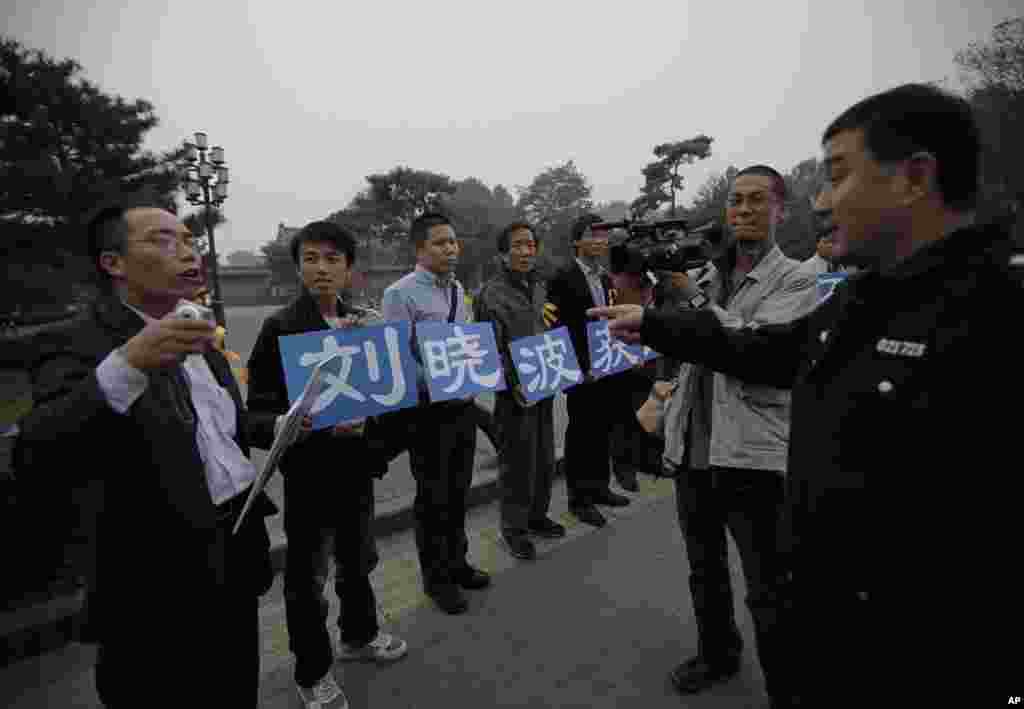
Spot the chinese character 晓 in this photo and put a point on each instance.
(462, 355)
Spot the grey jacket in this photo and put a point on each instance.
(515, 307)
(749, 423)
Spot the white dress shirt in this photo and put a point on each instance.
(228, 470)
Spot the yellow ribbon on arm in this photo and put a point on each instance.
(550, 314)
(234, 359)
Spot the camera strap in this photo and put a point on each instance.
(451, 311)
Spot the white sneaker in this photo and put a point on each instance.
(383, 648)
(325, 693)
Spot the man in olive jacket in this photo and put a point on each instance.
(513, 302)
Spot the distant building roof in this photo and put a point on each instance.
(285, 233)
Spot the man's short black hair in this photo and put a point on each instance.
(505, 235)
(421, 226)
(583, 223)
(106, 228)
(920, 118)
(778, 180)
(325, 232)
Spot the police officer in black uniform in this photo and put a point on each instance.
(899, 377)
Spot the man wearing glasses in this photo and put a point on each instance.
(734, 442)
(146, 393)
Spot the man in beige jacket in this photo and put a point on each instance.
(728, 439)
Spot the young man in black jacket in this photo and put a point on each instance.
(328, 481)
(893, 378)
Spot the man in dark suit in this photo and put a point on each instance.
(328, 481)
(578, 285)
(172, 588)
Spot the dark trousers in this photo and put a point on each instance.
(441, 459)
(587, 440)
(631, 445)
(830, 635)
(322, 516)
(526, 461)
(747, 503)
(200, 627)
(211, 659)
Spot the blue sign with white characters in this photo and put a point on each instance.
(459, 359)
(374, 371)
(827, 283)
(546, 364)
(611, 356)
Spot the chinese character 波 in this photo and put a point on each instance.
(550, 360)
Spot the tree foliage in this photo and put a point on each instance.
(478, 214)
(993, 72)
(796, 235)
(662, 180)
(65, 145)
(394, 199)
(710, 201)
(555, 197)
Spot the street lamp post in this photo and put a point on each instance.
(206, 186)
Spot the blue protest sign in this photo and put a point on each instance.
(459, 359)
(374, 372)
(546, 364)
(611, 356)
(827, 283)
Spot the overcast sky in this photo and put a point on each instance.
(309, 97)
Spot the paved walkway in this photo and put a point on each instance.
(597, 622)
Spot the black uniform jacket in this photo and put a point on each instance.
(907, 388)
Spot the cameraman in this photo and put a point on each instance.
(729, 435)
(894, 376)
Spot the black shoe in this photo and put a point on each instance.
(547, 528)
(695, 675)
(449, 598)
(520, 547)
(607, 497)
(626, 477)
(473, 579)
(588, 514)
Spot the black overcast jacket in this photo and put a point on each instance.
(907, 392)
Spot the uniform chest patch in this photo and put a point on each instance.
(901, 348)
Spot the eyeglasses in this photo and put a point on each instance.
(169, 244)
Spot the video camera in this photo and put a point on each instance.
(666, 245)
